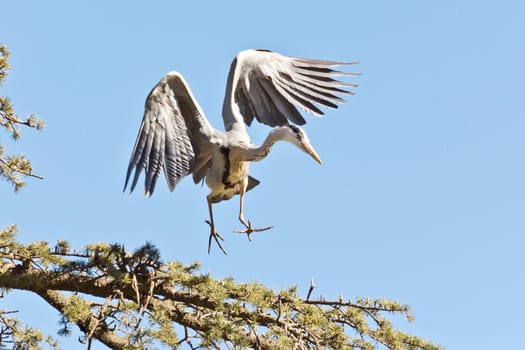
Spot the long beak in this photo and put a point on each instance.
(310, 150)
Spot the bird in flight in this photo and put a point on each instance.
(176, 138)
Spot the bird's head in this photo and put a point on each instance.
(297, 136)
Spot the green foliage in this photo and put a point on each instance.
(13, 168)
(133, 300)
(4, 62)
(15, 335)
(77, 309)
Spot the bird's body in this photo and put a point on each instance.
(226, 175)
(176, 138)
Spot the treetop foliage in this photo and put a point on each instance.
(13, 168)
(134, 300)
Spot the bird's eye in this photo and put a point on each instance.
(298, 133)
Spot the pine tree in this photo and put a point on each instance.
(13, 168)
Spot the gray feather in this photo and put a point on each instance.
(173, 131)
(270, 87)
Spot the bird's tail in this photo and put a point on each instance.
(252, 182)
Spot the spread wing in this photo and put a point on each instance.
(174, 136)
(270, 87)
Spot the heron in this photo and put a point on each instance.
(176, 138)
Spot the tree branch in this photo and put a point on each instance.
(137, 285)
(88, 323)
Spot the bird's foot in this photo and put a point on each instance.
(249, 229)
(215, 235)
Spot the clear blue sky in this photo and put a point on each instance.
(421, 196)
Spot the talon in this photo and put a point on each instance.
(215, 235)
(249, 229)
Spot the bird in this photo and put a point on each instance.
(175, 137)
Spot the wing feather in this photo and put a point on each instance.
(296, 99)
(265, 106)
(317, 90)
(173, 133)
(308, 94)
(270, 87)
(283, 104)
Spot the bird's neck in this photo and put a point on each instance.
(264, 149)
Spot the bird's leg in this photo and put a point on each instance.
(249, 229)
(213, 234)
